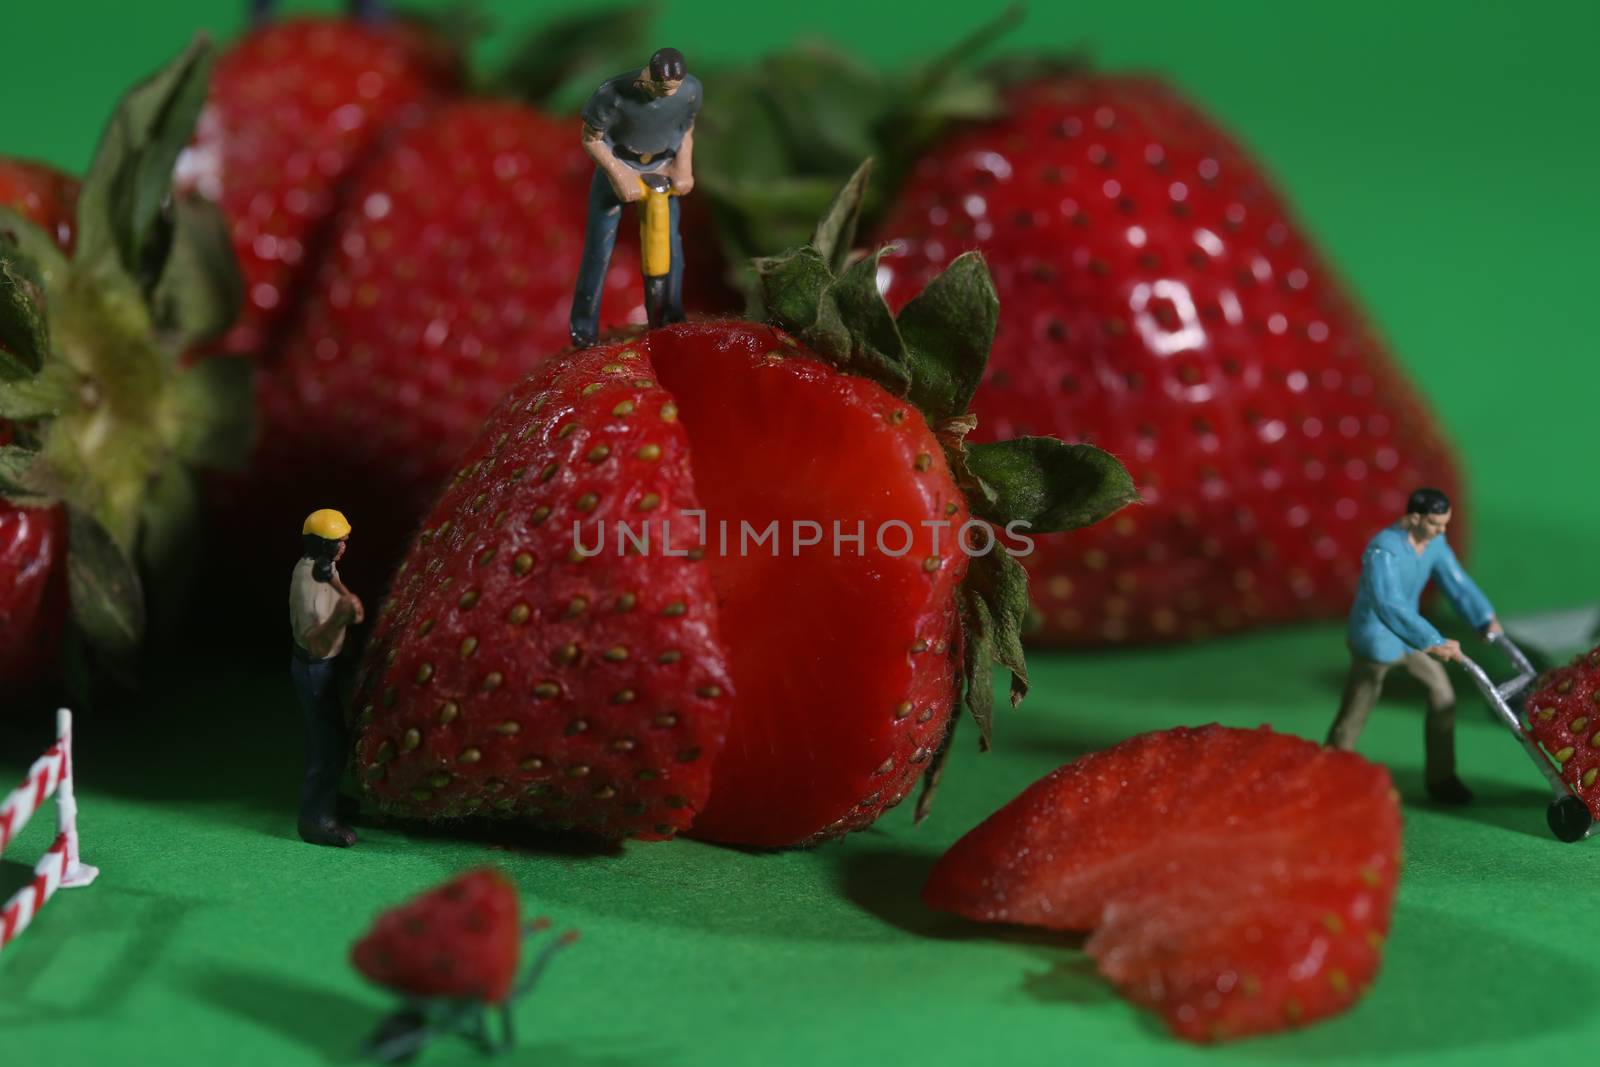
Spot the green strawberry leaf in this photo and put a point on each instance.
(107, 600)
(1049, 485)
(200, 291)
(856, 327)
(560, 63)
(997, 582)
(835, 233)
(948, 329)
(213, 400)
(123, 207)
(24, 328)
(935, 772)
(49, 393)
(35, 244)
(167, 553)
(15, 462)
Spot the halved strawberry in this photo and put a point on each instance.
(513, 672)
(1236, 881)
(460, 940)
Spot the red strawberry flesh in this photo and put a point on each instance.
(1236, 881)
(833, 705)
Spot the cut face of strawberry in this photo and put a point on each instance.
(1236, 881)
(772, 684)
(460, 940)
(834, 649)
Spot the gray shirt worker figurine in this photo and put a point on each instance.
(637, 127)
(1386, 630)
(320, 608)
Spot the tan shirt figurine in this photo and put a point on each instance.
(311, 604)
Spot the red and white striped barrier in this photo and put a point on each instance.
(50, 774)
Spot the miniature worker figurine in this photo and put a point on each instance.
(639, 123)
(320, 609)
(1386, 630)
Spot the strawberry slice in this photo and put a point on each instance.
(1236, 881)
(459, 940)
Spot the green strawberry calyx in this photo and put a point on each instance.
(109, 422)
(933, 353)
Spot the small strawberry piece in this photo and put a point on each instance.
(1564, 717)
(294, 108)
(1158, 297)
(42, 195)
(460, 940)
(1236, 881)
(33, 591)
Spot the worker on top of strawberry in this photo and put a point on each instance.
(320, 610)
(638, 122)
(1386, 630)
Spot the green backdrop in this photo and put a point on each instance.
(1446, 155)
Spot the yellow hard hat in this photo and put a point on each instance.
(327, 524)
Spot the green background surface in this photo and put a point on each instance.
(1445, 154)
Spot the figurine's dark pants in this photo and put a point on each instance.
(326, 744)
(605, 215)
(1364, 685)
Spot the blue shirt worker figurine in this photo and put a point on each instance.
(638, 127)
(320, 609)
(1386, 631)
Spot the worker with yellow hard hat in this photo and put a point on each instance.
(320, 610)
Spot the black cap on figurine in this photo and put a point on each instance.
(1427, 501)
(666, 65)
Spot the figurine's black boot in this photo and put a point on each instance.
(1450, 791)
(329, 832)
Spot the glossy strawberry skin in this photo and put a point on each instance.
(460, 941)
(448, 277)
(1158, 299)
(1564, 717)
(33, 592)
(294, 109)
(1236, 881)
(42, 195)
(509, 675)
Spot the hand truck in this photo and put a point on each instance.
(1568, 815)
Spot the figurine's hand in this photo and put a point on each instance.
(352, 606)
(629, 189)
(1446, 651)
(682, 184)
(1493, 627)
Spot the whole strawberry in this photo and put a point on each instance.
(103, 287)
(294, 109)
(757, 692)
(448, 277)
(461, 940)
(1160, 299)
(1236, 881)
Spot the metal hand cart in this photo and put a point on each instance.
(1568, 815)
